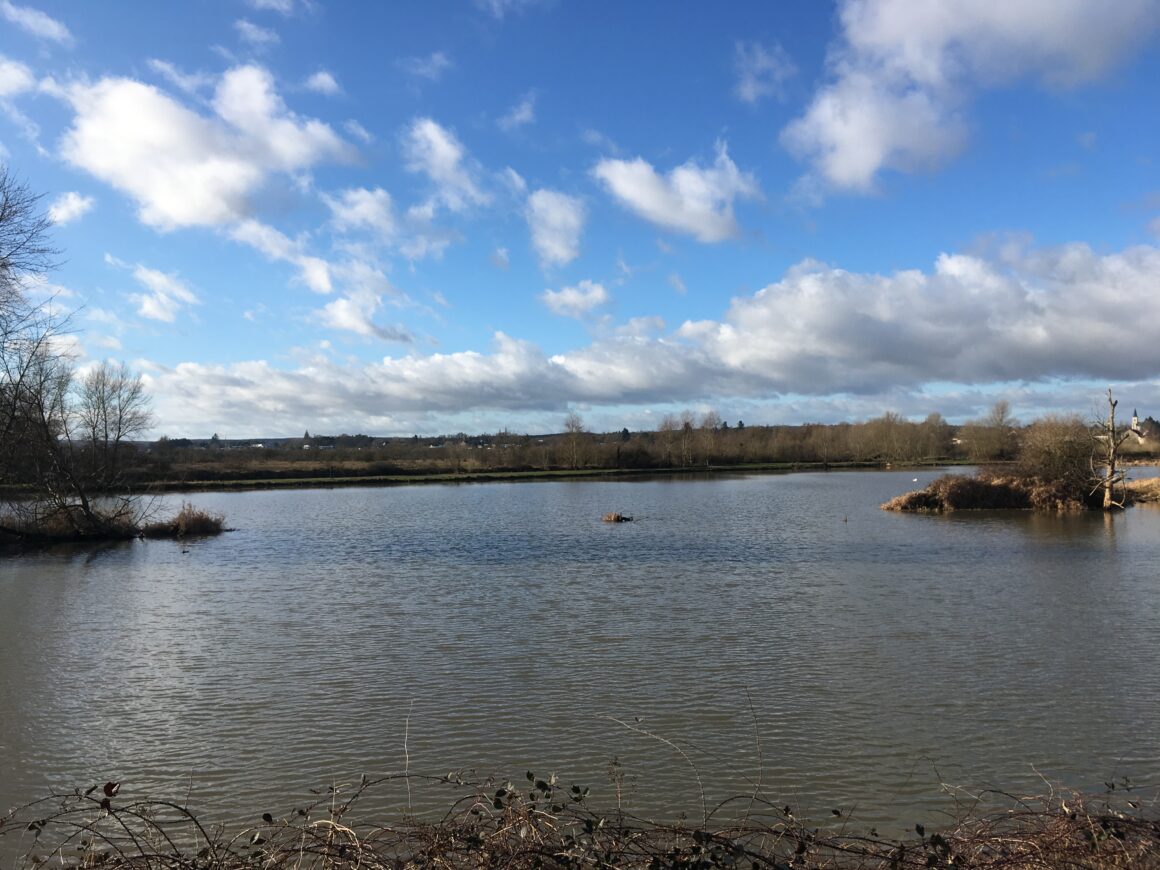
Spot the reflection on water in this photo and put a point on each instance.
(779, 627)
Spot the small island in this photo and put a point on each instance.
(1062, 465)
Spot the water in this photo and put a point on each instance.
(779, 628)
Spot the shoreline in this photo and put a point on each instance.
(162, 487)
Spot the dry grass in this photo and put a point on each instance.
(188, 522)
(541, 825)
(956, 492)
(959, 492)
(1145, 490)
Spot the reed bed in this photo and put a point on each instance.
(543, 825)
(187, 522)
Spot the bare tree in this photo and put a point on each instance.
(574, 428)
(1106, 471)
(61, 441)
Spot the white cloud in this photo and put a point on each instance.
(500, 8)
(255, 34)
(322, 82)
(415, 235)
(1042, 317)
(689, 199)
(522, 113)
(15, 78)
(358, 131)
(367, 287)
(500, 258)
(903, 69)
(575, 301)
(556, 221)
(678, 284)
(360, 208)
(285, 7)
(761, 72)
(314, 272)
(430, 67)
(69, 207)
(166, 296)
(513, 181)
(191, 83)
(35, 22)
(185, 169)
(436, 152)
(856, 127)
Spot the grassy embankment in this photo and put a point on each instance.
(539, 824)
(273, 476)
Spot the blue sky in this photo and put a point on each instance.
(407, 218)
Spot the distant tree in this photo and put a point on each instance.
(1057, 450)
(574, 430)
(992, 437)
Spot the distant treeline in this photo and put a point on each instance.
(682, 441)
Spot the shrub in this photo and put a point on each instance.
(188, 522)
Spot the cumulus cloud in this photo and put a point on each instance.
(430, 67)
(1041, 317)
(414, 234)
(15, 78)
(35, 22)
(761, 71)
(519, 115)
(322, 82)
(314, 272)
(166, 295)
(255, 34)
(690, 199)
(362, 209)
(183, 168)
(191, 83)
(902, 71)
(556, 221)
(434, 151)
(1024, 314)
(367, 288)
(69, 207)
(575, 301)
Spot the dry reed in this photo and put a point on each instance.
(547, 826)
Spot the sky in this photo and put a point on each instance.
(475, 215)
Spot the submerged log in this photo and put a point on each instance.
(617, 518)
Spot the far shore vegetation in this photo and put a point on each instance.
(686, 443)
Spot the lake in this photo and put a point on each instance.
(778, 628)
